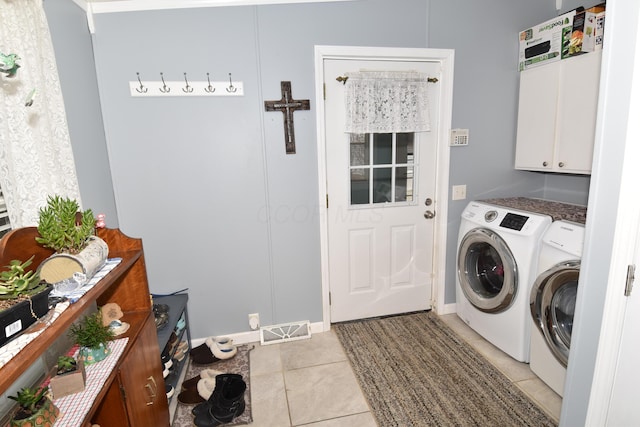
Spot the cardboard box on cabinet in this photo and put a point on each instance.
(545, 43)
(588, 31)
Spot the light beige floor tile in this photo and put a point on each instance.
(269, 406)
(358, 420)
(514, 370)
(543, 395)
(462, 329)
(320, 349)
(323, 392)
(265, 359)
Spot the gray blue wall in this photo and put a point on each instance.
(206, 182)
(77, 71)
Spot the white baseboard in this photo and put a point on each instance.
(448, 309)
(253, 336)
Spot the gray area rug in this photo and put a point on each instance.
(415, 371)
(239, 364)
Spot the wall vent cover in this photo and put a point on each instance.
(285, 332)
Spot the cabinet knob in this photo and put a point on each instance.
(545, 164)
(561, 164)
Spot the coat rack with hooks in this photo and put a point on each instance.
(185, 87)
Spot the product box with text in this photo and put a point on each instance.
(544, 43)
(587, 31)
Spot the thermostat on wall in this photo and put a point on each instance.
(459, 137)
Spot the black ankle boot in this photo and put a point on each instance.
(221, 380)
(225, 405)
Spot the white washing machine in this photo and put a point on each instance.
(553, 302)
(497, 258)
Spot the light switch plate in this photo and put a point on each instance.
(458, 192)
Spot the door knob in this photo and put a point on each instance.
(561, 164)
(429, 214)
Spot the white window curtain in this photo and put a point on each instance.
(36, 159)
(386, 102)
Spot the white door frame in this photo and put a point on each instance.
(445, 56)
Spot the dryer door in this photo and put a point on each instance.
(487, 271)
(553, 303)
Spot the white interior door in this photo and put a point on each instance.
(380, 187)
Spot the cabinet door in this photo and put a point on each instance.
(577, 111)
(141, 379)
(537, 117)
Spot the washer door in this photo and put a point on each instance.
(553, 303)
(487, 271)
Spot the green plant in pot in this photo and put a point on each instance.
(18, 281)
(34, 408)
(70, 232)
(93, 337)
(65, 365)
(23, 296)
(63, 227)
(70, 377)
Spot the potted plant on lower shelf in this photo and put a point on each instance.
(93, 337)
(34, 408)
(70, 377)
(23, 298)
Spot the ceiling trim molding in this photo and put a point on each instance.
(111, 6)
(92, 7)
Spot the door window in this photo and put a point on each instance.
(382, 168)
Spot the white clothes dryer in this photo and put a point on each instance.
(497, 256)
(553, 302)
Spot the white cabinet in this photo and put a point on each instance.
(557, 115)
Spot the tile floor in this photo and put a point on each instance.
(310, 382)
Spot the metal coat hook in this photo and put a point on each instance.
(187, 88)
(231, 88)
(141, 89)
(164, 88)
(209, 88)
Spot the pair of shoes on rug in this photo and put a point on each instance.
(225, 403)
(213, 350)
(199, 388)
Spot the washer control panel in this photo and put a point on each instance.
(514, 221)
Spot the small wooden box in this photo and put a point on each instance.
(69, 383)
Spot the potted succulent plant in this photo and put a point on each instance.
(70, 232)
(23, 298)
(34, 409)
(70, 377)
(93, 337)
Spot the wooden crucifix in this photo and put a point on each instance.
(287, 105)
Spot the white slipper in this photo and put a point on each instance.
(205, 387)
(219, 352)
(209, 373)
(222, 342)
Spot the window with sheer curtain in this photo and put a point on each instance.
(36, 159)
(5, 225)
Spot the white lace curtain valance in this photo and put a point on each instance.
(386, 101)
